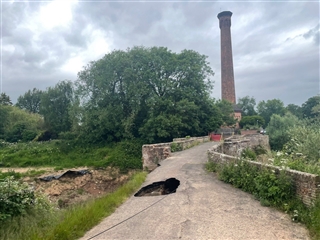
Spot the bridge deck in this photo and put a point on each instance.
(202, 208)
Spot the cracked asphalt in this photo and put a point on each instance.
(202, 208)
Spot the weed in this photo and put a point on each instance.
(80, 191)
(258, 150)
(211, 166)
(175, 147)
(248, 154)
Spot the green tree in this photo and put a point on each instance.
(5, 99)
(251, 121)
(55, 105)
(4, 111)
(19, 125)
(30, 101)
(247, 105)
(278, 130)
(227, 112)
(316, 111)
(309, 105)
(144, 92)
(267, 109)
(295, 110)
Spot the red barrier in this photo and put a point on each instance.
(215, 137)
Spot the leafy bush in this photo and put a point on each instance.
(304, 139)
(175, 147)
(274, 188)
(278, 128)
(17, 198)
(249, 154)
(251, 122)
(126, 155)
(240, 174)
(302, 151)
(271, 188)
(28, 135)
(258, 150)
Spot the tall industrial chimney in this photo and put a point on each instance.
(227, 76)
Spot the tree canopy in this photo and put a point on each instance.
(55, 106)
(295, 110)
(247, 105)
(307, 107)
(270, 107)
(151, 93)
(30, 101)
(5, 99)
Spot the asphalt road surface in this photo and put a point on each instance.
(203, 207)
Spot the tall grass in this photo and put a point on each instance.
(70, 223)
(67, 154)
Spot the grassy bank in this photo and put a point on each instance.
(70, 223)
(67, 154)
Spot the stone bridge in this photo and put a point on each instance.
(202, 207)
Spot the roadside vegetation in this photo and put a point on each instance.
(271, 189)
(46, 222)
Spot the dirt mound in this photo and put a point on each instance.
(75, 188)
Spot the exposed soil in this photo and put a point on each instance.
(70, 189)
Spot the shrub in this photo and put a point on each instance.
(17, 198)
(304, 139)
(258, 150)
(249, 154)
(126, 155)
(274, 188)
(175, 147)
(278, 130)
(252, 122)
(269, 187)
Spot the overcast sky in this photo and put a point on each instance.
(275, 44)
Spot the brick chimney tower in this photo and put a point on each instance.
(227, 76)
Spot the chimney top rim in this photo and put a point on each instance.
(224, 13)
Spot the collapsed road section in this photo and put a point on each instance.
(159, 188)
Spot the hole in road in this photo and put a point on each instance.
(159, 188)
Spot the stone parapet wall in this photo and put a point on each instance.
(306, 185)
(153, 154)
(199, 139)
(236, 144)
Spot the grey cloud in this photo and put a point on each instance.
(292, 76)
(314, 34)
